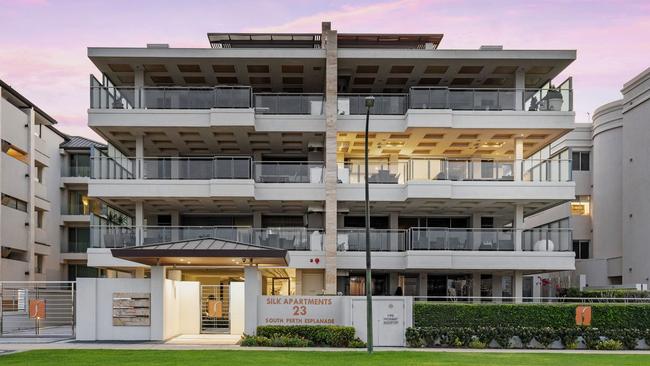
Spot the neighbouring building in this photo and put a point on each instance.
(45, 211)
(259, 140)
(609, 214)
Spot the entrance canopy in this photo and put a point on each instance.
(203, 252)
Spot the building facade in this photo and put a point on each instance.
(260, 138)
(608, 215)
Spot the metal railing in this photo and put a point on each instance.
(497, 99)
(289, 103)
(424, 238)
(288, 171)
(76, 247)
(102, 97)
(385, 104)
(547, 240)
(381, 240)
(290, 238)
(220, 167)
(76, 171)
(547, 170)
(378, 173)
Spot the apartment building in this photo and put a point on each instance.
(257, 142)
(608, 216)
(30, 169)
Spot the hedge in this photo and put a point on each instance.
(604, 316)
(569, 337)
(318, 335)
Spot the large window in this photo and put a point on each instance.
(581, 248)
(580, 160)
(14, 152)
(581, 206)
(14, 203)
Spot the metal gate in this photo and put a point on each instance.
(215, 309)
(37, 309)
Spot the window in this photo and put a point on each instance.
(40, 217)
(14, 203)
(14, 152)
(580, 160)
(78, 239)
(38, 263)
(39, 173)
(581, 206)
(581, 248)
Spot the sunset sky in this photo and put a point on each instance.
(43, 42)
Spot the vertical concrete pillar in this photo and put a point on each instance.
(518, 169)
(497, 287)
(139, 155)
(476, 286)
(518, 226)
(394, 239)
(176, 222)
(1, 190)
(520, 84)
(252, 290)
(139, 222)
(518, 286)
(138, 83)
(157, 286)
(257, 219)
(31, 211)
(476, 235)
(422, 284)
(329, 42)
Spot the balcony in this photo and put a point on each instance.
(299, 239)
(461, 239)
(354, 240)
(385, 104)
(288, 172)
(547, 240)
(289, 103)
(103, 97)
(80, 171)
(446, 169)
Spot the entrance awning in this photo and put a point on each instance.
(203, 252)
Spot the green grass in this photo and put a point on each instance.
(287, 358)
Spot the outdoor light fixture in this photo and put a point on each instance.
(370, 102)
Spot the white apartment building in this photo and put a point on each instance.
(30, 169)
(609, 215)
(259, 139)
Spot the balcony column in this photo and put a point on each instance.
(1, 190)
(520, 85)
(497, 287)
(476, 286)
(476, 233)
(176, 222)
(394, 238)
(518, 286)
(31, 208)
(518, 226)
(252, 290)
(517, 170)
(139, 222)
(422, 284)
(138, 84)
(329, 42)
(139, 155)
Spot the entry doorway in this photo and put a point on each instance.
(215, 309)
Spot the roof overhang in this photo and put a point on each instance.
(203, 252)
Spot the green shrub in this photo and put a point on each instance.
(288, 341)
(569, 337)
(318, 335)
(609, 344)
(255, 341)
(357, 343)
(556, 316)
(545, 336)
(476, 344)
(414, 337)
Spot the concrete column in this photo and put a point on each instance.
(139, 155)
(520, 84)
(257, 219)
(476, 235)
(393, 283)
(298, 282)
(518, 286)
(422, 284)
(176, 222)
(331, 106)
(393, 219)
(138, 83)
(252, 290)
(518, 226)
(476, 286)
(157, 283)
(1, 190)
(139, 273)
(139, 222)
(31, 211)
(517, 170)
(497, 287)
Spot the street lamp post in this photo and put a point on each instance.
(370, 102)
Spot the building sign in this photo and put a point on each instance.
(300, 310)
(37, 309)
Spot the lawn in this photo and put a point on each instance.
(286, 358)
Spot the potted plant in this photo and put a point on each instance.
(553, 99)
